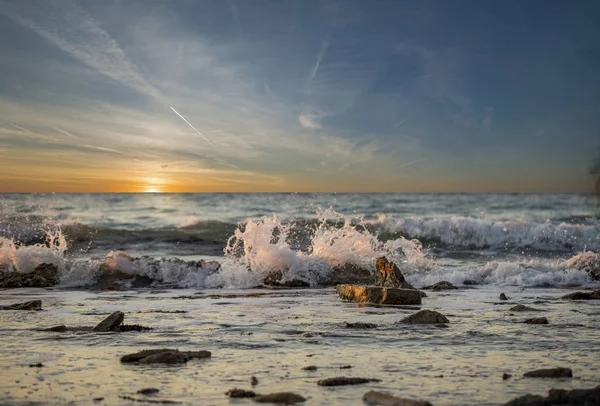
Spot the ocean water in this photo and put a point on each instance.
(206, 256)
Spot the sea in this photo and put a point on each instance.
(203, 259)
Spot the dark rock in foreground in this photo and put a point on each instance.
(389, 276)
(31, 305)
(240, 393)
(282, 398)
(522, 308)
(594, 295)
(360, 325)
(443, 285)
(342, 380)
(425, 317)
(537, 320)
(111, 323)
(575, 397)
(550, 373)
(43, 276)
(163, 356)
(378, 295)
(383, 399)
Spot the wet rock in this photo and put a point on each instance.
(133, 327)
(348, 274)
(528, 400)
(383, 399)
(522, 308)
(36, 365)
(282, 398)
(594, 295)
(310, 368)
(253, 381)
(506, 376)
(537, 320)
(425, 317)
(111, 323)
(389, 276)
(148, 391)
(163, 355)
(240, 393)
(550, 373)
(146, 400)
(275, 278)
(342, 381)
(360, 325)
(31, 305)
(378, 295)
(346, 367)
(470, 282)
(43, 276)
(56, 329)
(98, 400)
(503, 296)
(443, 285)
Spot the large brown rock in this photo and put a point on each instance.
(43, 276)
(383, 399)
(378, 295)
(389, 276)
(425, 317)
(31, 305)
(111, 323)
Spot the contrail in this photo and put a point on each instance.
(320, 56)
(188, 123)
(411, 163)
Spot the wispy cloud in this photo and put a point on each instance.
(317, 64)
(310, 121)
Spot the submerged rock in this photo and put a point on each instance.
(575, 397)
(506, 376)
(389, 276)
(550, 373)
(31, 305)
(253, 381)
(503, 296)
(594, 295)
(425, 317)
(378, 295)
(43, 276)
(383, 399)
(56, 329)
(282, 398)
(240, 393)
(342, 381)
(163, 356)
(522, 308)
(148, 391)
(111, 323)
(537, 320)
(360, 325)
(443, 285)
(133, 327)
(310, 368)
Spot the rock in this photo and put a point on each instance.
(253, 381)
(37, 365)
(346, 367)
(274, 278)
(470, 282)
(594, 295)
(378, 295)
(389, 276)
(550, 373)
(348, 274)
(528, 400)
(31, 305)
(575, 397)
(111, 323)
(522, 308)
(425, 317)
(503, 296)
(537, 320)
(506, 376)
(360, 325)
(56, 329)
(98, 400)
(43, 276)
(310, 368)
(133, 327)
(342, 380)
(443, 285)
(587, 261)
(240, 393)
(164, 356)
(148, 391)
(282, 398)
(383, 399)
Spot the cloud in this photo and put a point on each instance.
(310, 121)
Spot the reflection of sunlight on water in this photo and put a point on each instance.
(263, 333)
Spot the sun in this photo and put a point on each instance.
(151, 189)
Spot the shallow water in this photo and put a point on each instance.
(273, 334)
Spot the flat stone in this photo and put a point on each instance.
(522, 308)
(31, 305)
(425, 317)
(163, 356)
(57, 329)
(170, 357)
(378, 295)
(282, 398)
(148, 391)
(537, 320)
(111, 323)
(342, 381)
(310, 368)
(240, 393)
(360, 325)
(383, 399)
(550, 373)
(594, 295)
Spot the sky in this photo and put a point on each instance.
(299, 95)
